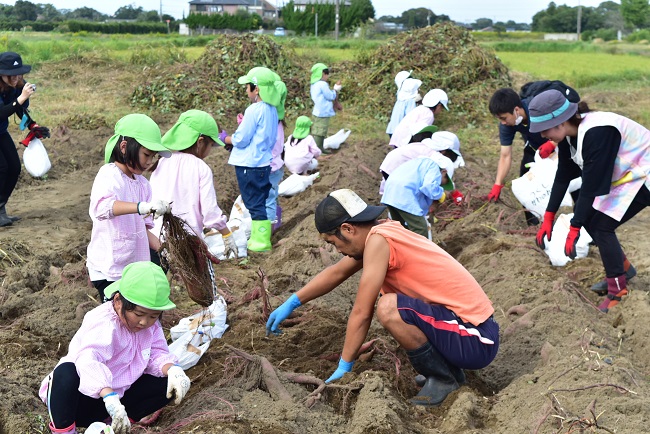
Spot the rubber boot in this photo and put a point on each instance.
(616, 289)
(278, 219)
(4, 218)
(440, 381)
(72, 429)
(458, 374)
(4, 211)
(600, 288)
(260, 240)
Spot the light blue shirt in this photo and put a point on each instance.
(413, 186)
(322, 96)
(255, 137)
(400, 109)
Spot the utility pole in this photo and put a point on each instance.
(579, 18)
(161, 11)
(336, 22)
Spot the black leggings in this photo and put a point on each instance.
(67, 405)
(9, 167)
(602, 229)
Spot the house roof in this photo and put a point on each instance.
(307, 2)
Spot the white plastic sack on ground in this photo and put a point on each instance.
(533, 189)
(240, 218)
(555, 248)
(99, 428)
(210, 322)
(335, 141)
(193, 334)
(35, 159)
(295, 184)
(188, 349)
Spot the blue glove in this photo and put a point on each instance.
(281, 313)
(344, 368)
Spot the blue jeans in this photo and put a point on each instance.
(272, 201)
(254, 187)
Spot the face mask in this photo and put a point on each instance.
(519, 117)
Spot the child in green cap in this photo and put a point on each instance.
(323, 98)
(187, 181)
(118, 359)
(300, 150)
(121, 206)
(252, 146)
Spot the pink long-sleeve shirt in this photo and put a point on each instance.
(107, 354)
(188, 182)
(277, 162)
(403, 133)
(297, 157)
(116, 241)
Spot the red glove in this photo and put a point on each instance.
(546, 149)
(571, 241)
(546, 229)
(457, 197)
(495, 192)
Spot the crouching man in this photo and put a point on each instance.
(429, 302)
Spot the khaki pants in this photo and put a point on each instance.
(319, 131)
(412, 222)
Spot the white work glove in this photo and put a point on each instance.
(338, 87)
(117, 412)
(229, 246)
(178, 383)
(157, 208)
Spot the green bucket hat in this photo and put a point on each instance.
(186, 131)
(144, 284)
(317, 72)
(140, 127)
(268, 82)
(303, 124)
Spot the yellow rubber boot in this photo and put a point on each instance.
(260, 240)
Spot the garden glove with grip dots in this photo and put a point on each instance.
(120, 420)
(229, 246)
(177, 383)
(545, 230)
(344, 368)
(494, 193)
(223, 134)
(240, 118)
(571, 241)
(546, 149)
(281, 313)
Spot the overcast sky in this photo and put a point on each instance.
(458, 10)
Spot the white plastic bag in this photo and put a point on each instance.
(555, 248)
(35, 159)
(240, 218)
(335, 141)
(214, 241)
(210, 322)
(188, 349)
(193, 334)
(295, 184)
(99, 428)
(533, 189)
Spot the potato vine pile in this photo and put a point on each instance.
(443, 55)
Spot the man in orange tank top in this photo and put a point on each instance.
(428, 301)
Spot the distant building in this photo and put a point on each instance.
(209, 7)
(560, 36)
(302, 5)
(384, 26)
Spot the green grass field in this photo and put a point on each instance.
(581, 69)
